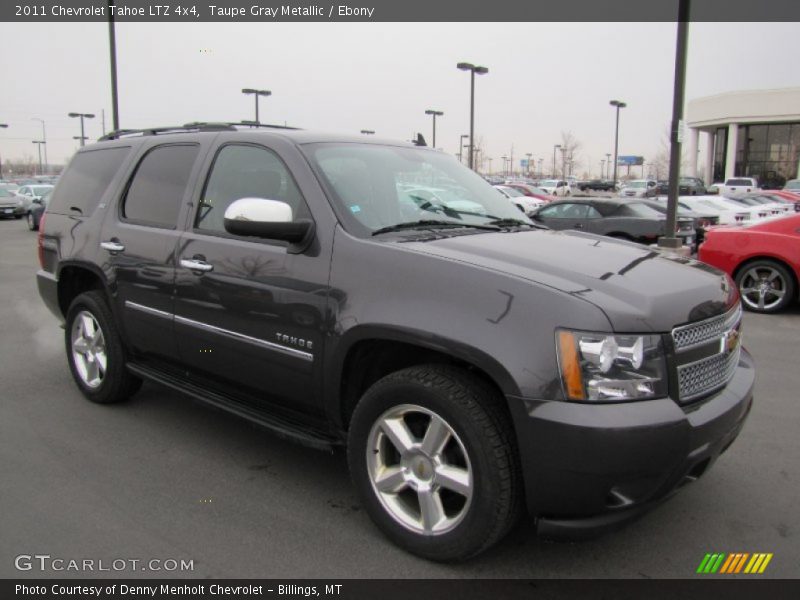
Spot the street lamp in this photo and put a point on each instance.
(461, 146)
(505, 170)
(529, 154)
(464, 66)
(367, 132)
(618, 105)
(81, 116)
(563, 162)
(555, 147)
(2, 126)
(434, 114)
(44, 138)
(39, 144)
(608, 166)
(256, 94)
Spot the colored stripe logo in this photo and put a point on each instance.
(736, 562)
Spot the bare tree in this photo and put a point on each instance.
(570, 148)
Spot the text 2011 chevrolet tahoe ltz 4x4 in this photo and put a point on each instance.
(475, 365)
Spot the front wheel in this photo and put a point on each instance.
(432, 453)
(765, 286)
(95, 352)
(32, 224)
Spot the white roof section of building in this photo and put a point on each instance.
(751, 106)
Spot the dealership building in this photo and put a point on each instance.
(747, 134)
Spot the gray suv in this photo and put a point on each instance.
(474, 364)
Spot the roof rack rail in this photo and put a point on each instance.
(195, 126)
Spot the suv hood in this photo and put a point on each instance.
(637, 287)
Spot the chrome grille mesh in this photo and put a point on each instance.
(710, 373)
(704, 376)
(703, 331)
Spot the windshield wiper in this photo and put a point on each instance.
(516, 223)
(429, 224)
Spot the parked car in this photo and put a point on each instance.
(662, 187)
(639, 188)
(473, 363)
(792, 186)
(526, 204)
(763, 258)
(10, 204)
(737, 185)
(634, 221)
(27, 193)
(756, 202)
(701, 220)
(531, 191)
(555, 187)
(36, 210)
(597, 185)
(726, 213)
(691, 186)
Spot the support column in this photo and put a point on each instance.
(693, 135)
(708, 172)
(730, 154)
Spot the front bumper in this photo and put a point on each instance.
(589, 468)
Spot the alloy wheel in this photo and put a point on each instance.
(762, 288)
(419, 469)
(89, 349)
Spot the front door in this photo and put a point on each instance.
(249, 312)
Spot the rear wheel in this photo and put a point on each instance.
(95, 352)
(433, 456)
(32, 224)
(765, 286)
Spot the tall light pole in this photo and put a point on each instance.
(676, 134)
(505, 170)
(81, 116)
(602, 168)
(541, 160)
(44, 139)
(434, 114)
(529, 154)
(256, 94)
(618, 105)
(563, 162)
(464, 66)
(608, 166)
(2, 126)
(39, 144)
(555, 147)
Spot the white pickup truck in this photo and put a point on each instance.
(737, 185)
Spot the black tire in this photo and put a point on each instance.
(116, 384)
(473, 410)
(783, 281)
(32, 224)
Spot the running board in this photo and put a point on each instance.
(277, 424)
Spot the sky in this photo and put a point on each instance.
(544, 79)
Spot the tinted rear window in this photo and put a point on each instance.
(156, 193)
(86, 179)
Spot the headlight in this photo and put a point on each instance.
(602, 367)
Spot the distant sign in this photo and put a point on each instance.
(630, 161)
(523, 163)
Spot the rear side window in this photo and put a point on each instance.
(86, 179)
(156, 192)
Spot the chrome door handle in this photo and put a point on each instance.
(196, 265)
(112, 247)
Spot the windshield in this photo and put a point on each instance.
(548, 183)
(38, 190)
(637, 184)
(378, 187)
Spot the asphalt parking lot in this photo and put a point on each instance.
(163, 477)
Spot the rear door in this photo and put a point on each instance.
(140, 240)
(249, 312)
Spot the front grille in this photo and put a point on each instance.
(707, 353)
(693, 334)
(707, 375)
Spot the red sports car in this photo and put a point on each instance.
(763, 259)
